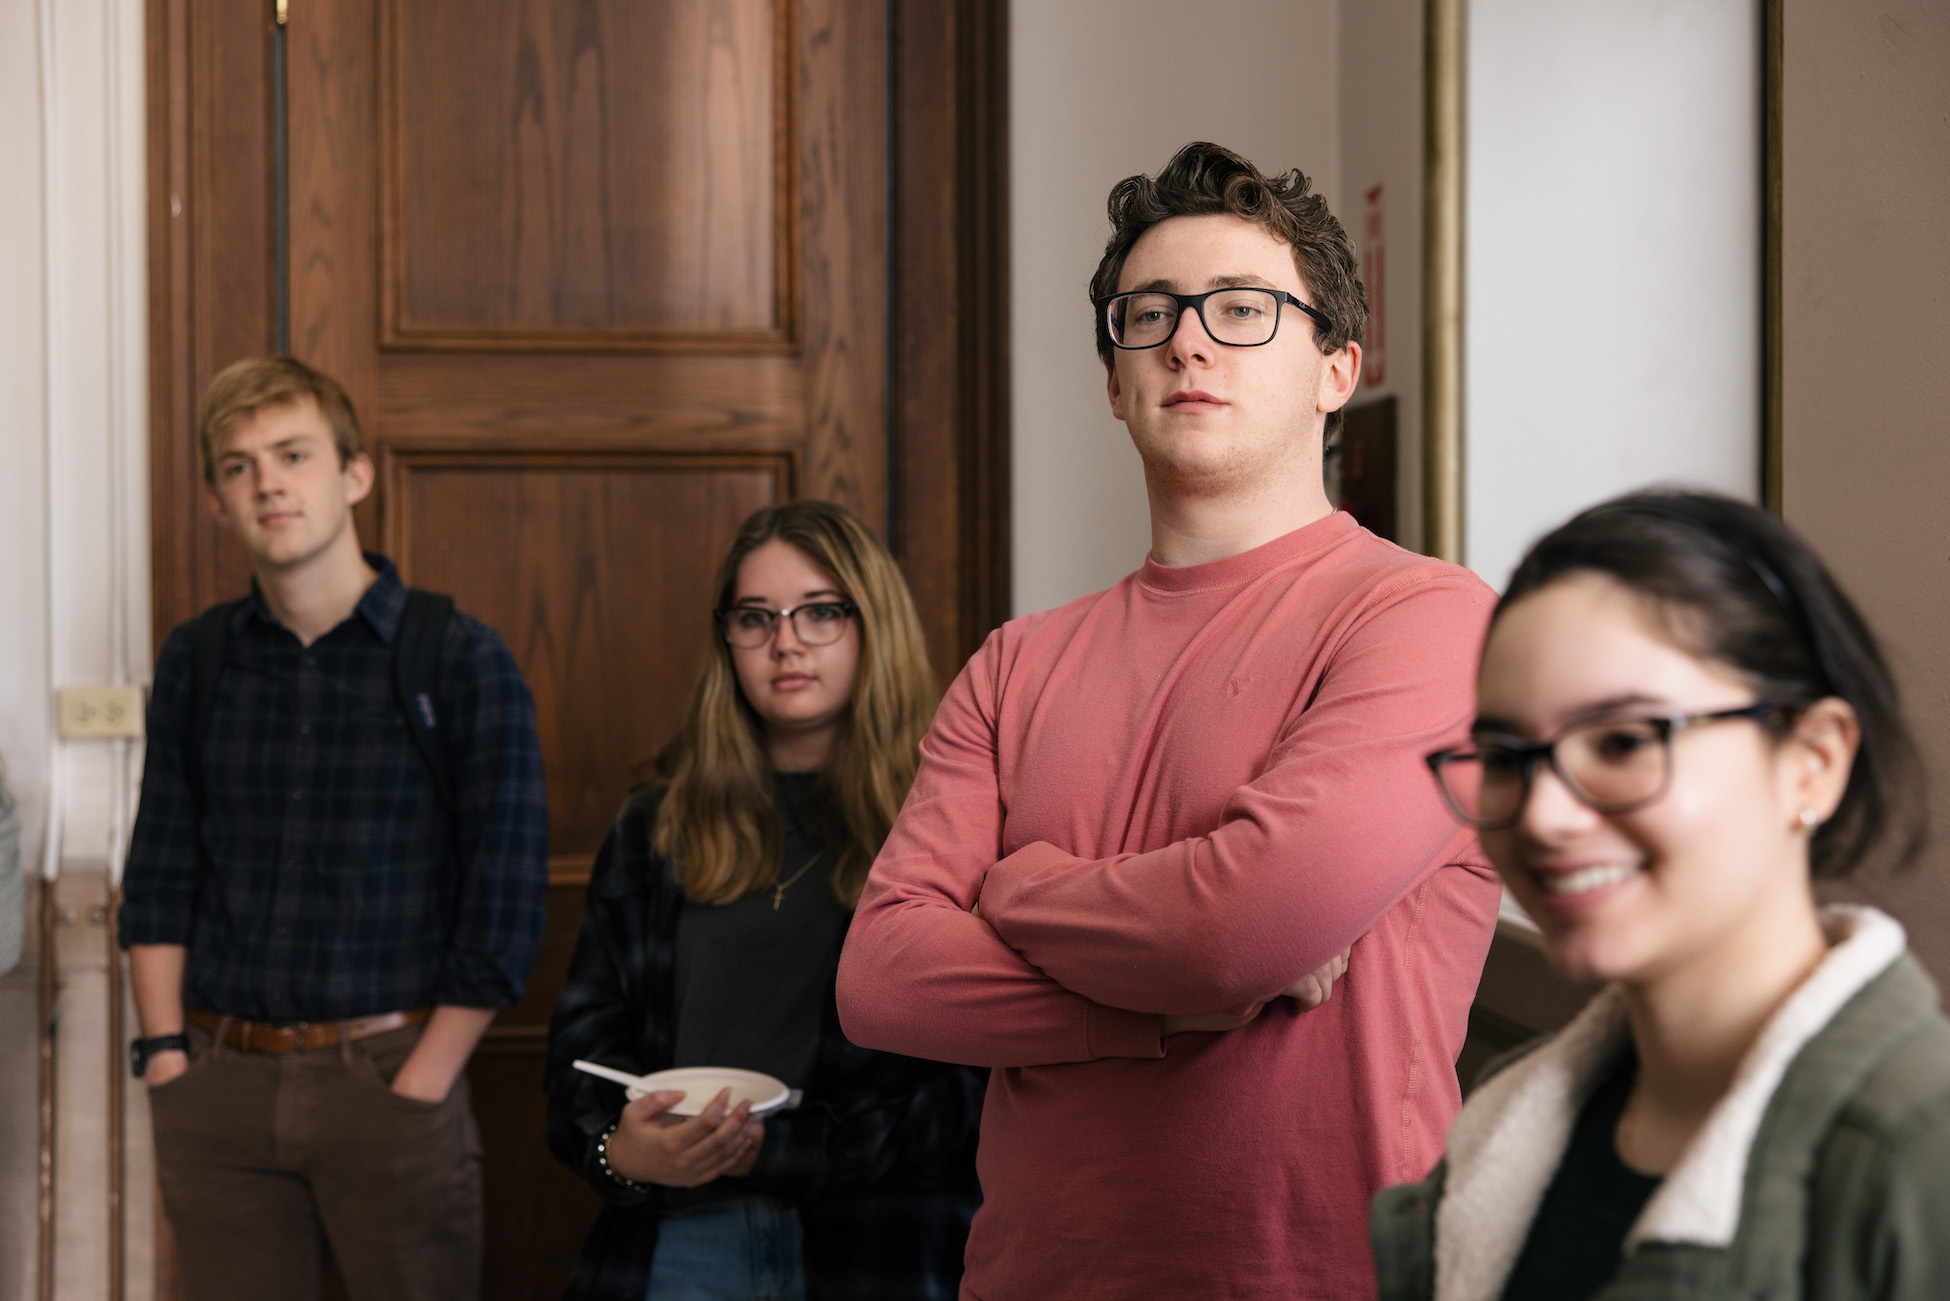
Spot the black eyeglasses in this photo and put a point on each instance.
(1614, 765)
(816, 623)
(1239, 317)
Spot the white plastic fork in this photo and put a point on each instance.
(623, 1078)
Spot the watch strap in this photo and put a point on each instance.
(141, 1050)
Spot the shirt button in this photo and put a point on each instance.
(304, 729)
(297, 795)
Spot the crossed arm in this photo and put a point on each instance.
(1072, 958)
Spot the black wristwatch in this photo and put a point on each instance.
(141, 1050)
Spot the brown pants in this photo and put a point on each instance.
(268, 1160)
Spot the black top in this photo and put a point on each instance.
(321, 878)
(879, 1159)
(1577, 1240)
(754, 976)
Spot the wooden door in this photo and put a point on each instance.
(602, 277)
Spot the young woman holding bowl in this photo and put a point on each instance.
(711, 937)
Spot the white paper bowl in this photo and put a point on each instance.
(700, 1084)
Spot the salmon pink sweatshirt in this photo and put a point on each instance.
(1179, 796)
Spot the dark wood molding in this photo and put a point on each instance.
(948, 417)
(1771, 72)
(212, 282)
(398, 459)
(118, 1078)
(44, 1037)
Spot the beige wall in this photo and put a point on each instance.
(1259, 76)
(1381, 147)
(1866, 356)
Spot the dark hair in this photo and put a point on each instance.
(1204, 179)
(1733, 584)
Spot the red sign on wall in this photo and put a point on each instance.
(1374, 270)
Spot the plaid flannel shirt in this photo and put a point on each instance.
(321, 879)
(879, 1158)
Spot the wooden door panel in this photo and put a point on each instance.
(710, 402)
(537, 1212)
(610, 173)
(596, 570)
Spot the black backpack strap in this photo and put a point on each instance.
(208, 637)
(416, 679)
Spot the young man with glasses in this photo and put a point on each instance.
(1151, 825)
(336, 877)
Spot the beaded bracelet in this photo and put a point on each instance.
(602, 1159)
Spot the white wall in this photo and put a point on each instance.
(1258, 76)
(1612, 295)
(25, 714)
(75, 537)
(74, 520)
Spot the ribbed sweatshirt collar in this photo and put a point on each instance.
(1234, 570)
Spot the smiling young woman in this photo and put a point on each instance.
(711, 937)
(1681, 723)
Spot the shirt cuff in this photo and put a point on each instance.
(469, 981)
(1114, 1032)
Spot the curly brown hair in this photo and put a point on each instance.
(1203, 179)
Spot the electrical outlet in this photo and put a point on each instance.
(100, 711)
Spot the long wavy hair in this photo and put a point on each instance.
(716, 824)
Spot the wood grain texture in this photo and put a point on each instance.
(596, 570)
(710, 401)
(537, 1212)
(842, 189)
(332, 88)
(608, 173)
(949, 522)
(211, 274)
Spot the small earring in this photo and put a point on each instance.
(1809, 819)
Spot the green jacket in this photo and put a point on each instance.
(1833, 1185)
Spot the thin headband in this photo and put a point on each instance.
(1679, 511)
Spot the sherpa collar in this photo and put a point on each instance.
(1507, 1143)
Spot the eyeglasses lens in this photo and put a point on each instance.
(1243, 317)
(1611, 765)
(819, 624)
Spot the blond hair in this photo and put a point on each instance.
(717, 824)
(243, 388)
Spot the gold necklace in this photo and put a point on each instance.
(778, 891)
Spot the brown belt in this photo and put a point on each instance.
(264, 1037)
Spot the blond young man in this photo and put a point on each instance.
(335, 879)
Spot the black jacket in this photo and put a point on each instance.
(879, 1158)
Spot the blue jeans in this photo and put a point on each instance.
(744, 1249)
